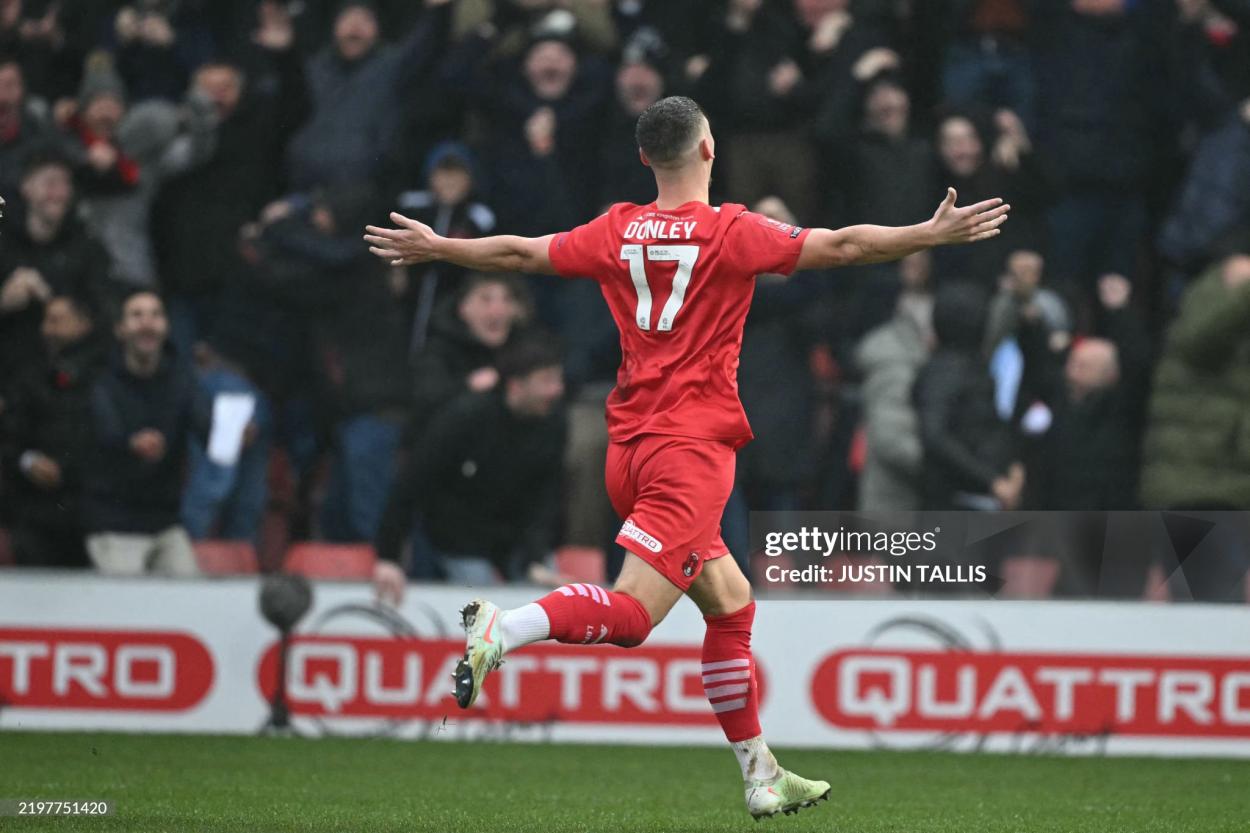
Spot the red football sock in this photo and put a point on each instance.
(729, 673)
(581, 614)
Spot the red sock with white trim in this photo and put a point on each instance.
(729, 682)
(581, 614)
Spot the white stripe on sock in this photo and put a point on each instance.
(729, 705)
(729, 663)
(596, 592)
(565, 590)
(581, 589)
(726, 690)
(726, 677)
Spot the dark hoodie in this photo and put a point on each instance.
(484, 480)
(357, 106)
(124, 493)
(965, 444)
(50, 412)
(339, 289)
(441, 370)
(72, 263)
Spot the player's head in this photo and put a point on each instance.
(674, 136)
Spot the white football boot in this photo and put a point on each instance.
(483, 649)
(784, 793)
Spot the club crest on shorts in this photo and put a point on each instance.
(692, 564)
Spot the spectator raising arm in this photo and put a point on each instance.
(856, 245)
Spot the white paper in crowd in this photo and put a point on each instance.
(231, 414)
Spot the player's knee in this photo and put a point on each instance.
(728, 597)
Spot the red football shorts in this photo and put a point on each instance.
(671, 492)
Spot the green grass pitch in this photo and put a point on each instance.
(275, 785)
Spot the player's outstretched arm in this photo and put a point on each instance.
(415, 242)
(854, 245)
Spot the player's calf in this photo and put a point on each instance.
(586, 614)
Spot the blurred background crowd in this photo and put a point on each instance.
(195, 344)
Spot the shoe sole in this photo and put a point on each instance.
(463, 675)
(793, 809)
(467, 681)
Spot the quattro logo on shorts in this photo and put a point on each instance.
(633, 533)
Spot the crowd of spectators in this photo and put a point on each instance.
(186, 304)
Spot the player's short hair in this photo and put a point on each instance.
(668, 129)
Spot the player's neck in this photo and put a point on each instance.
(677, 191)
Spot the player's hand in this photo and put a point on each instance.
(981, 221)
(388, 583)
(413, 242)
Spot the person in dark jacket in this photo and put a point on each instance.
(144, 411)
(21, 129)
(1214, 197)
(1094, 390)
(197, 259)
(356, 87)
(760, 85)
(545, 115)
(310, 256)
(888, 173)
(982, 156)
(449, 205)
(968, 451)
(775, 382)
(46, 252)
(485, 480)
(49, 436)
(467, 334)
(1098, 103)
(639, 84)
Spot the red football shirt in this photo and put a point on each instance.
(679, 284)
